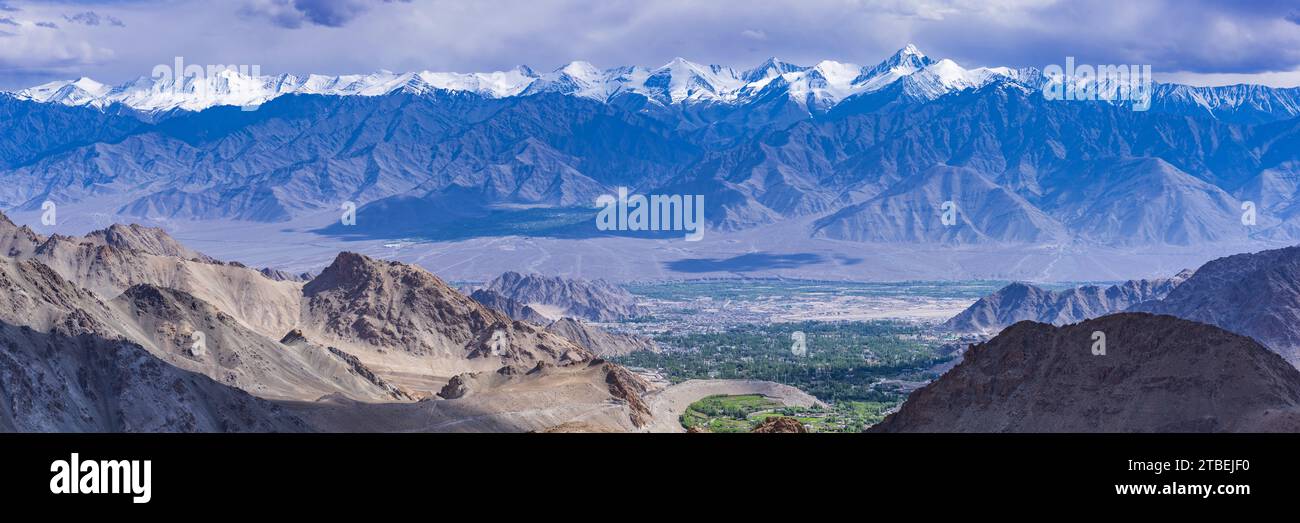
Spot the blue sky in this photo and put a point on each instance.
(1191, 41)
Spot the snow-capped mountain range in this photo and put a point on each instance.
(680, 81)
(863, 154)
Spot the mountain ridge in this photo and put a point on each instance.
(1020, 301)
(1158, 374)
(816, 88)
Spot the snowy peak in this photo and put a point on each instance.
(945, 76)
(823, 85)
(685, 80)
(816, 88)
(1241, 102)
(769, 69)
(680, 81)
(904, 62)
(577, 78)
(229, 87)
(74, 92)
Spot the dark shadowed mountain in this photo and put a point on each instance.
(1158, 374)
(57, 382)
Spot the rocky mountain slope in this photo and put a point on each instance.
(599, 341)
(1252, 294)
(508, 306)
(193, 335)
(1158, 374)
(59, 382)
(1021, 301)
(64, 366)
(362, 335)
(396, 317)
(595, 339)
(149, 240)
(911, 211)
(557, 297)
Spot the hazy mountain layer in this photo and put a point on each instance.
(1021, 301)
(1255, 295)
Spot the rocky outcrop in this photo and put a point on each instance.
(380, 308)
(279, 275)
(149, 240)
(780, 425)
(17, 241)
(392, 306)
(630, 388)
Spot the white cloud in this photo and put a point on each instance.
(350, 36)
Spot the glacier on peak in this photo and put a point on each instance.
(815, 88)
(677, 82)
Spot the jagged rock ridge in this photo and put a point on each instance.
(1021, 301)
(592, 300)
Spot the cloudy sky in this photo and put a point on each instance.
(1192, 41)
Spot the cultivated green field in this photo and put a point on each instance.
(743, 413)
(844, 360)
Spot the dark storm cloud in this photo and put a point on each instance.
(93, 19)
(293, 14)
